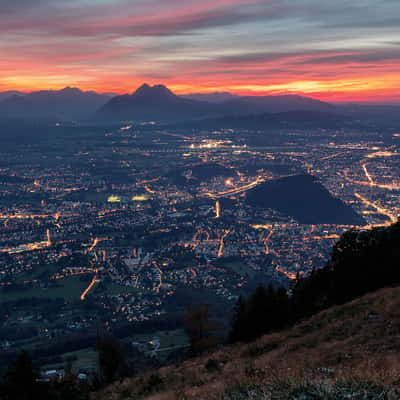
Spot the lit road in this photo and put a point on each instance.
(236, 190)
(266, 241)
(96, 273)
(367, 174)
(342, 153)
(267, 238)
(217, 209)
(370, 182)
(221, 243)
(148, 189)
(379, 209)
(290, 275)
(94, 244)
(148, 181)
(30, 246)
(389, 186)
(327, 237)
(56, 216)
(90, 287)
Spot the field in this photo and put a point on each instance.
(85, 359)
(69, 289)
(114, 289)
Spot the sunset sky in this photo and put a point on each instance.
(332, 50)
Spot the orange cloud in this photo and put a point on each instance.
(329, 50)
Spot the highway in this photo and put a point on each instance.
(379, 209)
(236, 190)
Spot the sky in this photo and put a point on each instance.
(335, 50)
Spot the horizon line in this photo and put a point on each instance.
(208, 91)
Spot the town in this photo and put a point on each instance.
(114, 227)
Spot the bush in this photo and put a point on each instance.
(213, 365)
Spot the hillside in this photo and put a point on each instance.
(305, 199)
(346, 352)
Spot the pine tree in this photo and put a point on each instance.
(238, 324)
(21, 379)
(110, 358)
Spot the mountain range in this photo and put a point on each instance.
(68, 103)
(159, 104)
(299, 119)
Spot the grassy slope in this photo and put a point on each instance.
(356, 342)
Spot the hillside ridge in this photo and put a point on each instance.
(348, 348)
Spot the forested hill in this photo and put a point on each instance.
(361, 261)
(305, 199)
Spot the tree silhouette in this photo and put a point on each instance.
(20, 380)
(267, 310)
(111, 358)
(238, 324)
(201, 328)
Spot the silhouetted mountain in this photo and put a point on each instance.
(9, 93)
(289, 119)
(379, 114)
(277, 104)
(15, 106)
(68, 103)
(216, 97)
(152, 103)
(305, 199)
(158, 103)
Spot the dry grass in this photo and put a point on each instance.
(354, 347)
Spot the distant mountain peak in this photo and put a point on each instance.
(142, 88)
(148, 91)
(69, 89)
